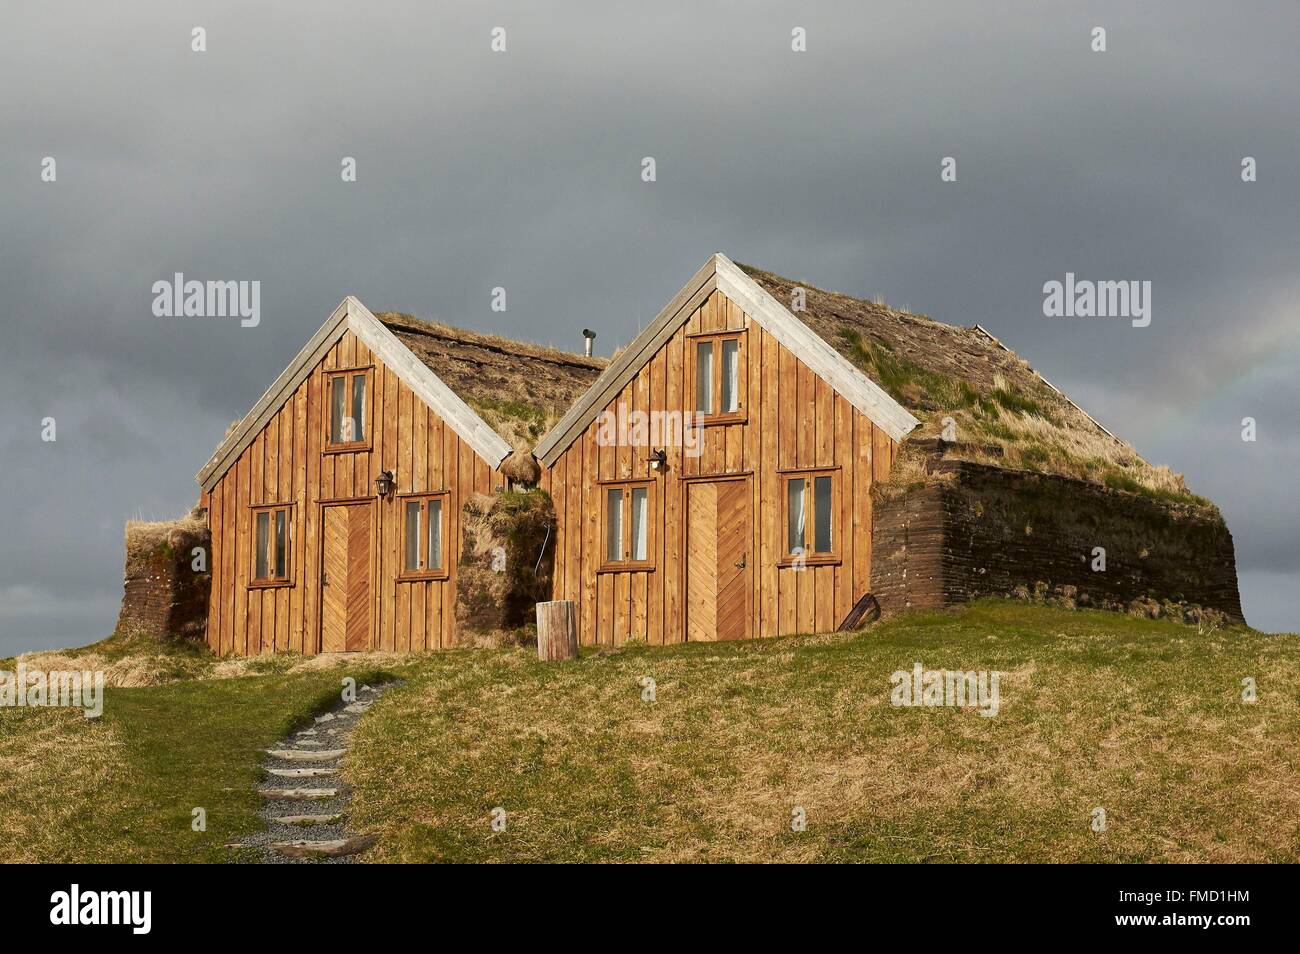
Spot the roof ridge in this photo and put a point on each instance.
(890, 309)
(487, 340)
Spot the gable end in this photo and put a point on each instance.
(721, 274)
(353, 316)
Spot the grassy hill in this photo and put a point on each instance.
(1141, 718)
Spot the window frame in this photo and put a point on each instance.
(650, 563)
(740, 415)
(810, 557)
(327, 390)
(441, 573)
(256, 582)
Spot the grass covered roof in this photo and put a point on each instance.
(520, 389)
(1003, 411)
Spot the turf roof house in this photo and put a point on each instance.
(305, 555)
(766, 530)
(822, 477)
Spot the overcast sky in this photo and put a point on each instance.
(522, 169)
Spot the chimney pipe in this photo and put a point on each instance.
(588, 337)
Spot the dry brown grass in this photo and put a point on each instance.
(125, 672)
(519, 388)
(993, 396)
(139, 660)
(122, 787)
(142, 536)
(289, 664)
(1141, 718)
(56, 752)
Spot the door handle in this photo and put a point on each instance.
(743, 561)
(324, 579)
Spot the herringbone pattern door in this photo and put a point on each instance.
(345, 579)
(719, 566)
(735, 538)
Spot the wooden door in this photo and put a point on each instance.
(719, 566)
(345, 579)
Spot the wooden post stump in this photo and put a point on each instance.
(557, 631)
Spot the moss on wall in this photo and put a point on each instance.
(507, 544)
(988, 531)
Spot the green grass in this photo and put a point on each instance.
(122, 787)
(1116, 479)
(534, 418)
(1142, 718)
(910, 383)
(1018, 403)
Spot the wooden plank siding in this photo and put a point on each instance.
(792, 419)
(286, 464)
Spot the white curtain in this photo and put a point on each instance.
(435, 534)
(638, 523)
(263, 569)
(704, 377)
(730, 375)
(358, 407)
(614, 526)
(413, 509)
(338, 411)
(797, 511)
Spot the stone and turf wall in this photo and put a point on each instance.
(507, 556)
(976, 530)
(163, 595)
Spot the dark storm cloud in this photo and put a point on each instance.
(521, 170)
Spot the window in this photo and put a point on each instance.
(719, 377)
(704, 377)
(346, 392)
(810, 524)
(628, 530)
(272, 545)
(423, 555)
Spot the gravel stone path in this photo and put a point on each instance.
(305, 798)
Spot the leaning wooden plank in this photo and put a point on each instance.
(865, 610)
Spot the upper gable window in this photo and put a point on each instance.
(720, 376)
(349, 408)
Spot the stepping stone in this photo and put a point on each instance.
(307, 819)
(324, 849)
(327, 717)
(366, 689)
(302, 772)
(310, 744)
(296, 794)
(306, 731)
(297, 755)
(358, 707)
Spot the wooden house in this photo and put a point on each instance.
(762, 456)
(715, 481)
(334, 505)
